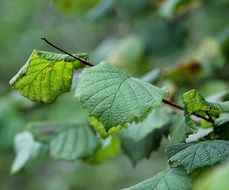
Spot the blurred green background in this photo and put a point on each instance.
(187, 41)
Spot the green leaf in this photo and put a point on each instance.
(115, 98)
(45, 131)
(155, 120)
(139, 140)
(136, 150)
(110, 148)
(26, 148)
(215, 179)
(196, 155)
(179, 131)
(45, 76)
(172, 150)
(74, 143)
(170, 179)
(194, 103)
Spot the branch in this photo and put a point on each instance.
(74, 56)
(172, 104)
(166, 101)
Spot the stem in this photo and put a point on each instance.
(172, 104)
(74, 56)
(166, 101)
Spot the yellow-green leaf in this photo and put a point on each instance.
(194, 103)
(45, 76)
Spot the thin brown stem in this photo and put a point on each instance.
(168, 102)
(74, 56)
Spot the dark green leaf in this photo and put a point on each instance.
(139, 140)
(179, 131)
(172, 150)
(155, 120)
(136, 150)
(196, 155)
